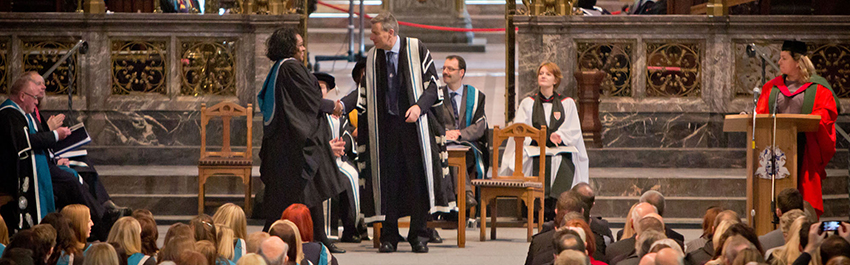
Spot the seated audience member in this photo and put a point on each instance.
(171, 251)
(748, 255)
(65, 239)
(252, 244)
(626, 246)
(119, 251)
(706, 253)
(840, 260)
(192, 258)
(4, 235)
(567, 239)
(101, 254)
(178, 230)
(786, 201)
(225, 247)
(81, 224)
(734, 244)
(20, 256)
(27, 239)
(666, 243)
(128, 234)
(288, 232)
(739, 229)
(648, 259)
(540, 250)
(628, 229)
(315, 252)
(274, 251)
(834, 246)
(657, 199)
(669, 256)
(601, 231)
(646, 229)
(203, 228)
(589, 240)
(150, 233)
(707, 229)
(232, 216)
(45, 239)
(252, 259)
(789, 252)
(207, 249)
(571, 257)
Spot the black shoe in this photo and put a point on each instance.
(386, 248)
(334, 249)
(435, 238)
(117, 210)
(350, 237)
(470, 200)
(420, 247)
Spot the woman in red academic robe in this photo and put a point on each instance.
(800, 90)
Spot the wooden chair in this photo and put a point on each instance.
(525, 188)
(225, 162)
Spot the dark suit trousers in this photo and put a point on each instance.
(403, 180)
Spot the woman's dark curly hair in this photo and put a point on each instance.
(282, 44)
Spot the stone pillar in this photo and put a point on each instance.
(446, 13)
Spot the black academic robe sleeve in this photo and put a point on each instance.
(12, 140)
(349, 101)
(43, 140)
(429, 96)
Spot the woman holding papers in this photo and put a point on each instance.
(567, 158)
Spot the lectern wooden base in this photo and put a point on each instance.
(759, 184)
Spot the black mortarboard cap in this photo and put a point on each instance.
(359, 66)
(327, 79)
(794, 46)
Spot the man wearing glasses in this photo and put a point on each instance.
(25, 179)
(465, 122)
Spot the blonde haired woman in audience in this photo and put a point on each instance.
(232, 216)
(4, 235)
(786, 254)
(127, 232)
(628, 229)
(204, 229)
(225, 245)
(192, 258)
(717, 238)
(252, 259)
(101, 254)
(288, 232)
(81, 224)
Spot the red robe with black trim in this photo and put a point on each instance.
(820, 145)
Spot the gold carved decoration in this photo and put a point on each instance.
(615, 59)
(41, 55)
(551, 7)
(748, 69)
(139, 67)
(673, 69)
(832, 61)
(4, 66)
(208, 68)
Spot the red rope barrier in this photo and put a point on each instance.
(421, 25)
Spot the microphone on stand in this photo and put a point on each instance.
(756, 94)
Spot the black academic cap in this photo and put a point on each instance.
(359, 66)
(327, 78)
(794, 46)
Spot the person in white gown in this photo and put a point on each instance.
(567, 161)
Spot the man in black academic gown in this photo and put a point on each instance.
(297, 163)
(400, 149)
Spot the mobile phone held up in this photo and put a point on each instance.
(829, 226)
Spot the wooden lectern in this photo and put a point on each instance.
(758, 212)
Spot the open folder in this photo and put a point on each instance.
(533, 151)
(78, 137)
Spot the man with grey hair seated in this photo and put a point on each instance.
(657, 199)
(273, 250)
